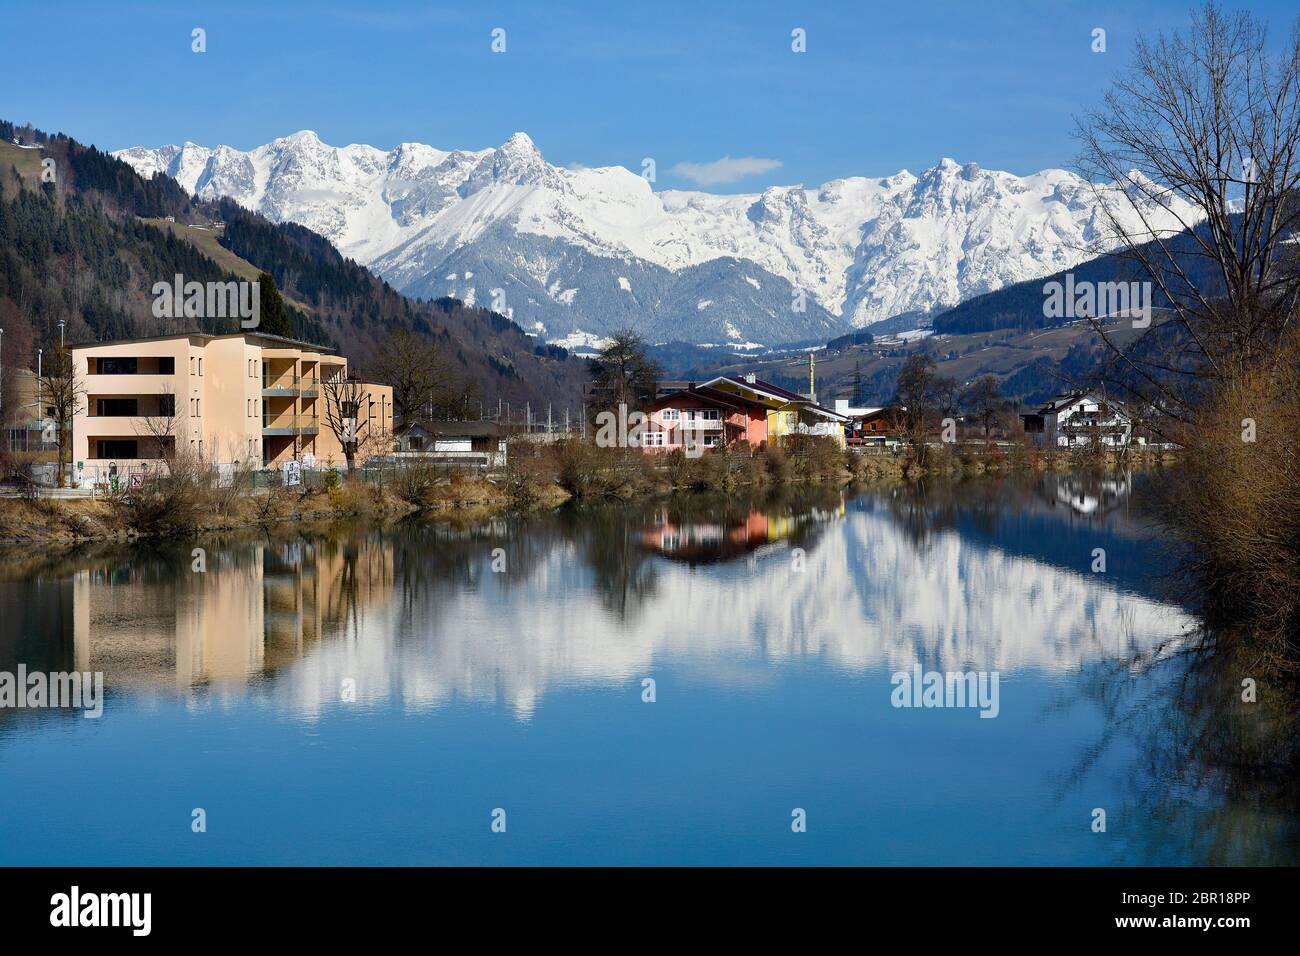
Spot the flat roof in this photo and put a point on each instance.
(296, 343)
(470, 429)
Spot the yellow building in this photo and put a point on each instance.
(244, 397)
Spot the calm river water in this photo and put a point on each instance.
(384, 695)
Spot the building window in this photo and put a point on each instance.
(652, 439)
(167, 365)
(191, 364)
(194, 407)
(167, 406)
(118, 448)
(117, 407)
(200, 366)
(670, 415)
(118, 366)
(250, 408)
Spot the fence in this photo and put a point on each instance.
(29, 440)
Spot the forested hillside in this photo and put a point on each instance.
(1020, 306)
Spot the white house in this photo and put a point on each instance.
(1077, 420)
(481, 443)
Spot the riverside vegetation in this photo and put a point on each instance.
(188, 499)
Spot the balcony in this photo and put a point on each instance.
(290, 384)
(280, 386)
(137, 384)
(287, 424)
(702, 424)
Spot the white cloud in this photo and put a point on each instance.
(725, 170)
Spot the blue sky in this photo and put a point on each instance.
(882, 86)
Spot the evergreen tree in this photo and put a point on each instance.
(274, 316)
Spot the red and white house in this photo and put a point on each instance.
(699, 417)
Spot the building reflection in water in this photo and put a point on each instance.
(727, 533)
(253, 610)
(1088, 494)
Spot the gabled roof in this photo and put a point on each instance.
(826, 412)
(761, 387)
(777, 393)
(712, 396)
(1062, 402)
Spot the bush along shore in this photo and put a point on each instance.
(189, 500)
(583, 470)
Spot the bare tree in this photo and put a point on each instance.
(342, 406)
(923, 396)
(418, 371)
(1212, 118)
(624, 373)
(166, 429)
(984, 399)
(345, 400)
(63, 392)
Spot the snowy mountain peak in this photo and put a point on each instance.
(579, 252)
(521, 143)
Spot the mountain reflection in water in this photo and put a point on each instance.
(415, 611)
(757, 610)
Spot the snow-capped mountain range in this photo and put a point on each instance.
(572, 254)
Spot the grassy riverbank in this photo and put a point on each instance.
(189, 503)
(126, 517)
(586, 471)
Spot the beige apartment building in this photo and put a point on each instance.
(243, 397)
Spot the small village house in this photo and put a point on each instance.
(700, 417)
(787, 412)
(1079, 419)
(476, 443)
(727, 410)
(870, 425)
